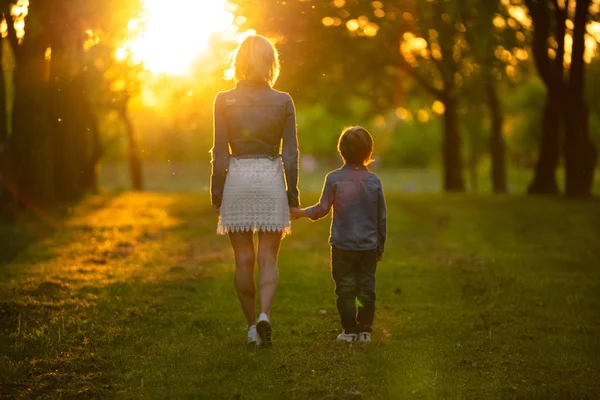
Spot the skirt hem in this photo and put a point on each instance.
(224, 230)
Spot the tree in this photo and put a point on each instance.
(117, 81)
(551, 71)
(566, 109)
(339, 45)
(484, 39)
(7, 199)
(54, 146)
(435, 44)
(30, 140)
(580, 152)
(135, 162)
(73, 123)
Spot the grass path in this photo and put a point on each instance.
(492, 297)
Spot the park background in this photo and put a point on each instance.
(486, 120)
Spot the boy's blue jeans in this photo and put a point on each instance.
(353, 272)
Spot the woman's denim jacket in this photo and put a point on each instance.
(254, 120)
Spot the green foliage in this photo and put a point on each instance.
(524, 105)
(593, 99)
(411, 144)
(319, 131)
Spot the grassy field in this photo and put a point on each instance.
(131, 296)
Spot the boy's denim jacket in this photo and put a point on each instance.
(254, 120)
(359, 211)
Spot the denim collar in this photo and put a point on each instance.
(355, 167)
(254, 83)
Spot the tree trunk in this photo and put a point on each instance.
(8, 203)
(580, 153)
(3, 100)
(30, 136)
(64, 115)
(68, 106)
(473, 179)
(91, 167)
(135, 161)
(7, 200)
(453, 169)
(551, 73)
(497, 145)
(544, 180)
(29, 141)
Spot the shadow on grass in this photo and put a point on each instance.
(15, 237)
(29, 227)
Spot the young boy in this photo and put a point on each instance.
(358, 232)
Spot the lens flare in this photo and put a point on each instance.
(171, 35)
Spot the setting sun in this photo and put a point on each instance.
(170, 36)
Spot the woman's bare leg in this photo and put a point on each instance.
(243, 248)
(268, 251)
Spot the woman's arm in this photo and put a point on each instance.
(220, 153)
(290, 153)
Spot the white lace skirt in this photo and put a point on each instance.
(254, 197)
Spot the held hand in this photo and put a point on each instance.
(294, 213)
(379, 257)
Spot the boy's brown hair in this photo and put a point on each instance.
(356, 145)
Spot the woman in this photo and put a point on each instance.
(258, 125)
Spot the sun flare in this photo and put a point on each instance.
(171, 35)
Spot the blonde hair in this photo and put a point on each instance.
(255, 59)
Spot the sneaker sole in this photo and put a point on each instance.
(263, 328)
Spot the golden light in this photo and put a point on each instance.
(499, 22)
(520, 14)
(438, 107)
(423, 116)
(352, 25)
(18, 11)
(170, 36)
(403, 114)
(121, 54)
(327, 21)
(413, 46)
(522, 54)
(371, 29)
(511, 71)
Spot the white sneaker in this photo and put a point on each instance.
(263, 327)
(253, 335)
(364, 337)
(346, 337)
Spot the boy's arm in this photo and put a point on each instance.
(381, 221)
(321, 209)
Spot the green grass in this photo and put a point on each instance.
(132, 296)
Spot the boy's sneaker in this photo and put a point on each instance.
(253, 336)
(364, 337)
(347, 337)
(263, 327)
